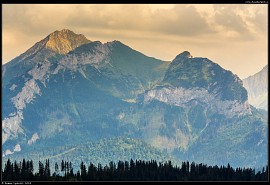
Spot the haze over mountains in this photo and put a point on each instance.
(67, 93)
(257, 87)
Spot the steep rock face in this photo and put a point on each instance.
(65, 41)
(257, 88)
(187, 72)
(183, 97)
(60, 42)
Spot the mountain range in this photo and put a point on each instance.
(67, 93)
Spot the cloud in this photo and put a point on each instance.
(180, 20)
(37, 19)
(113, 17)
(259, 19)
(228, 16)
(240, 21)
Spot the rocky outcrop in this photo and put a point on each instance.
(65, 41)
(182, 97)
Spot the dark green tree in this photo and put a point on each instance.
(83, 171)
(17, 171)
(41, 170)
(47, 171)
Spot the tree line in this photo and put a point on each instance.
(138, 170)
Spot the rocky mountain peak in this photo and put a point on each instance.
(188, 72)
(185, 54)
(65, 41)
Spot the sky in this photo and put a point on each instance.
(233, 35)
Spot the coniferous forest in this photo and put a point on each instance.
(138, 170)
